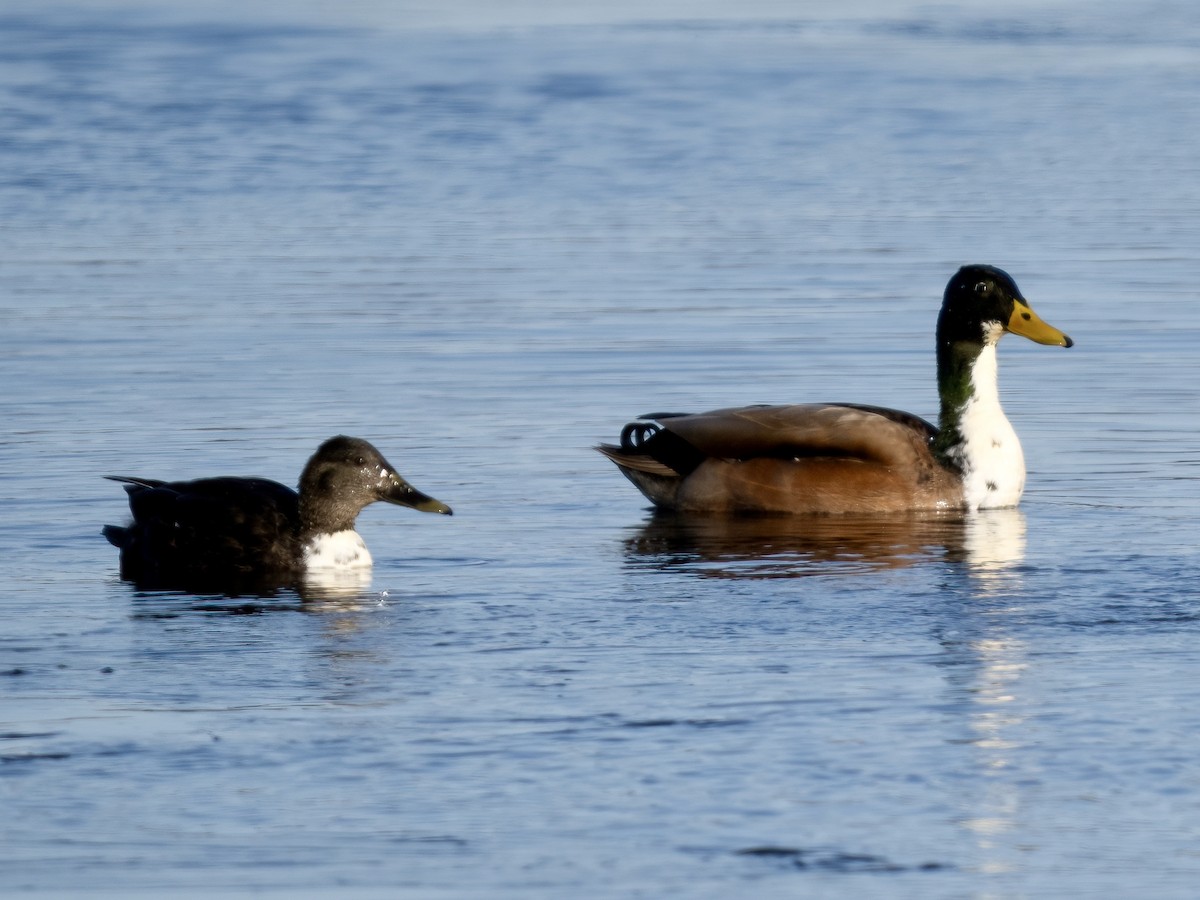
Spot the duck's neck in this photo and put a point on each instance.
(324, 515)
(974, 437)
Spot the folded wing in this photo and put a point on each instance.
(884, 436)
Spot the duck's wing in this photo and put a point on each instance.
(212, 525)
(135, 481)
(679, 443)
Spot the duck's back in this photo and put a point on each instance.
(214, 529)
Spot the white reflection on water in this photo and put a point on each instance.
(993, 720)
(336, 584)
(994, 543)
(991, 662)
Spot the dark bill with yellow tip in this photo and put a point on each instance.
(404, 494)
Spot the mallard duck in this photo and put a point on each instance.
(849, 458)
(229, 529)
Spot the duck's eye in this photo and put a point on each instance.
(360, 461)
(982, 288)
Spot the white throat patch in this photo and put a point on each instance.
(990, 455)
(340, 550)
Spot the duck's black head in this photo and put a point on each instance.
(345, 475)
(982, 303)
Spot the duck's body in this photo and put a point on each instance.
(814, 458)
(847, 458)
(240, 530)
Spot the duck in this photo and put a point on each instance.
(236, 530)
(849, 458)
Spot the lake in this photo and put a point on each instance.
(484, 237)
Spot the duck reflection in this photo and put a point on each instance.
(990, 544)
(328, 592)
(976, 600)
(994, 724)
(994, 548)
(984, 663)
(335, 584)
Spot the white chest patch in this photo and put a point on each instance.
(340, 550)
(991, 458)
(990, 455)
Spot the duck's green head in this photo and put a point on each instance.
(982, 303)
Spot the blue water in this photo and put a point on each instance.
(483, 237)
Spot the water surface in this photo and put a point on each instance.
(231, 232)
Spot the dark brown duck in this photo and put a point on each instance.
(243, 530)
